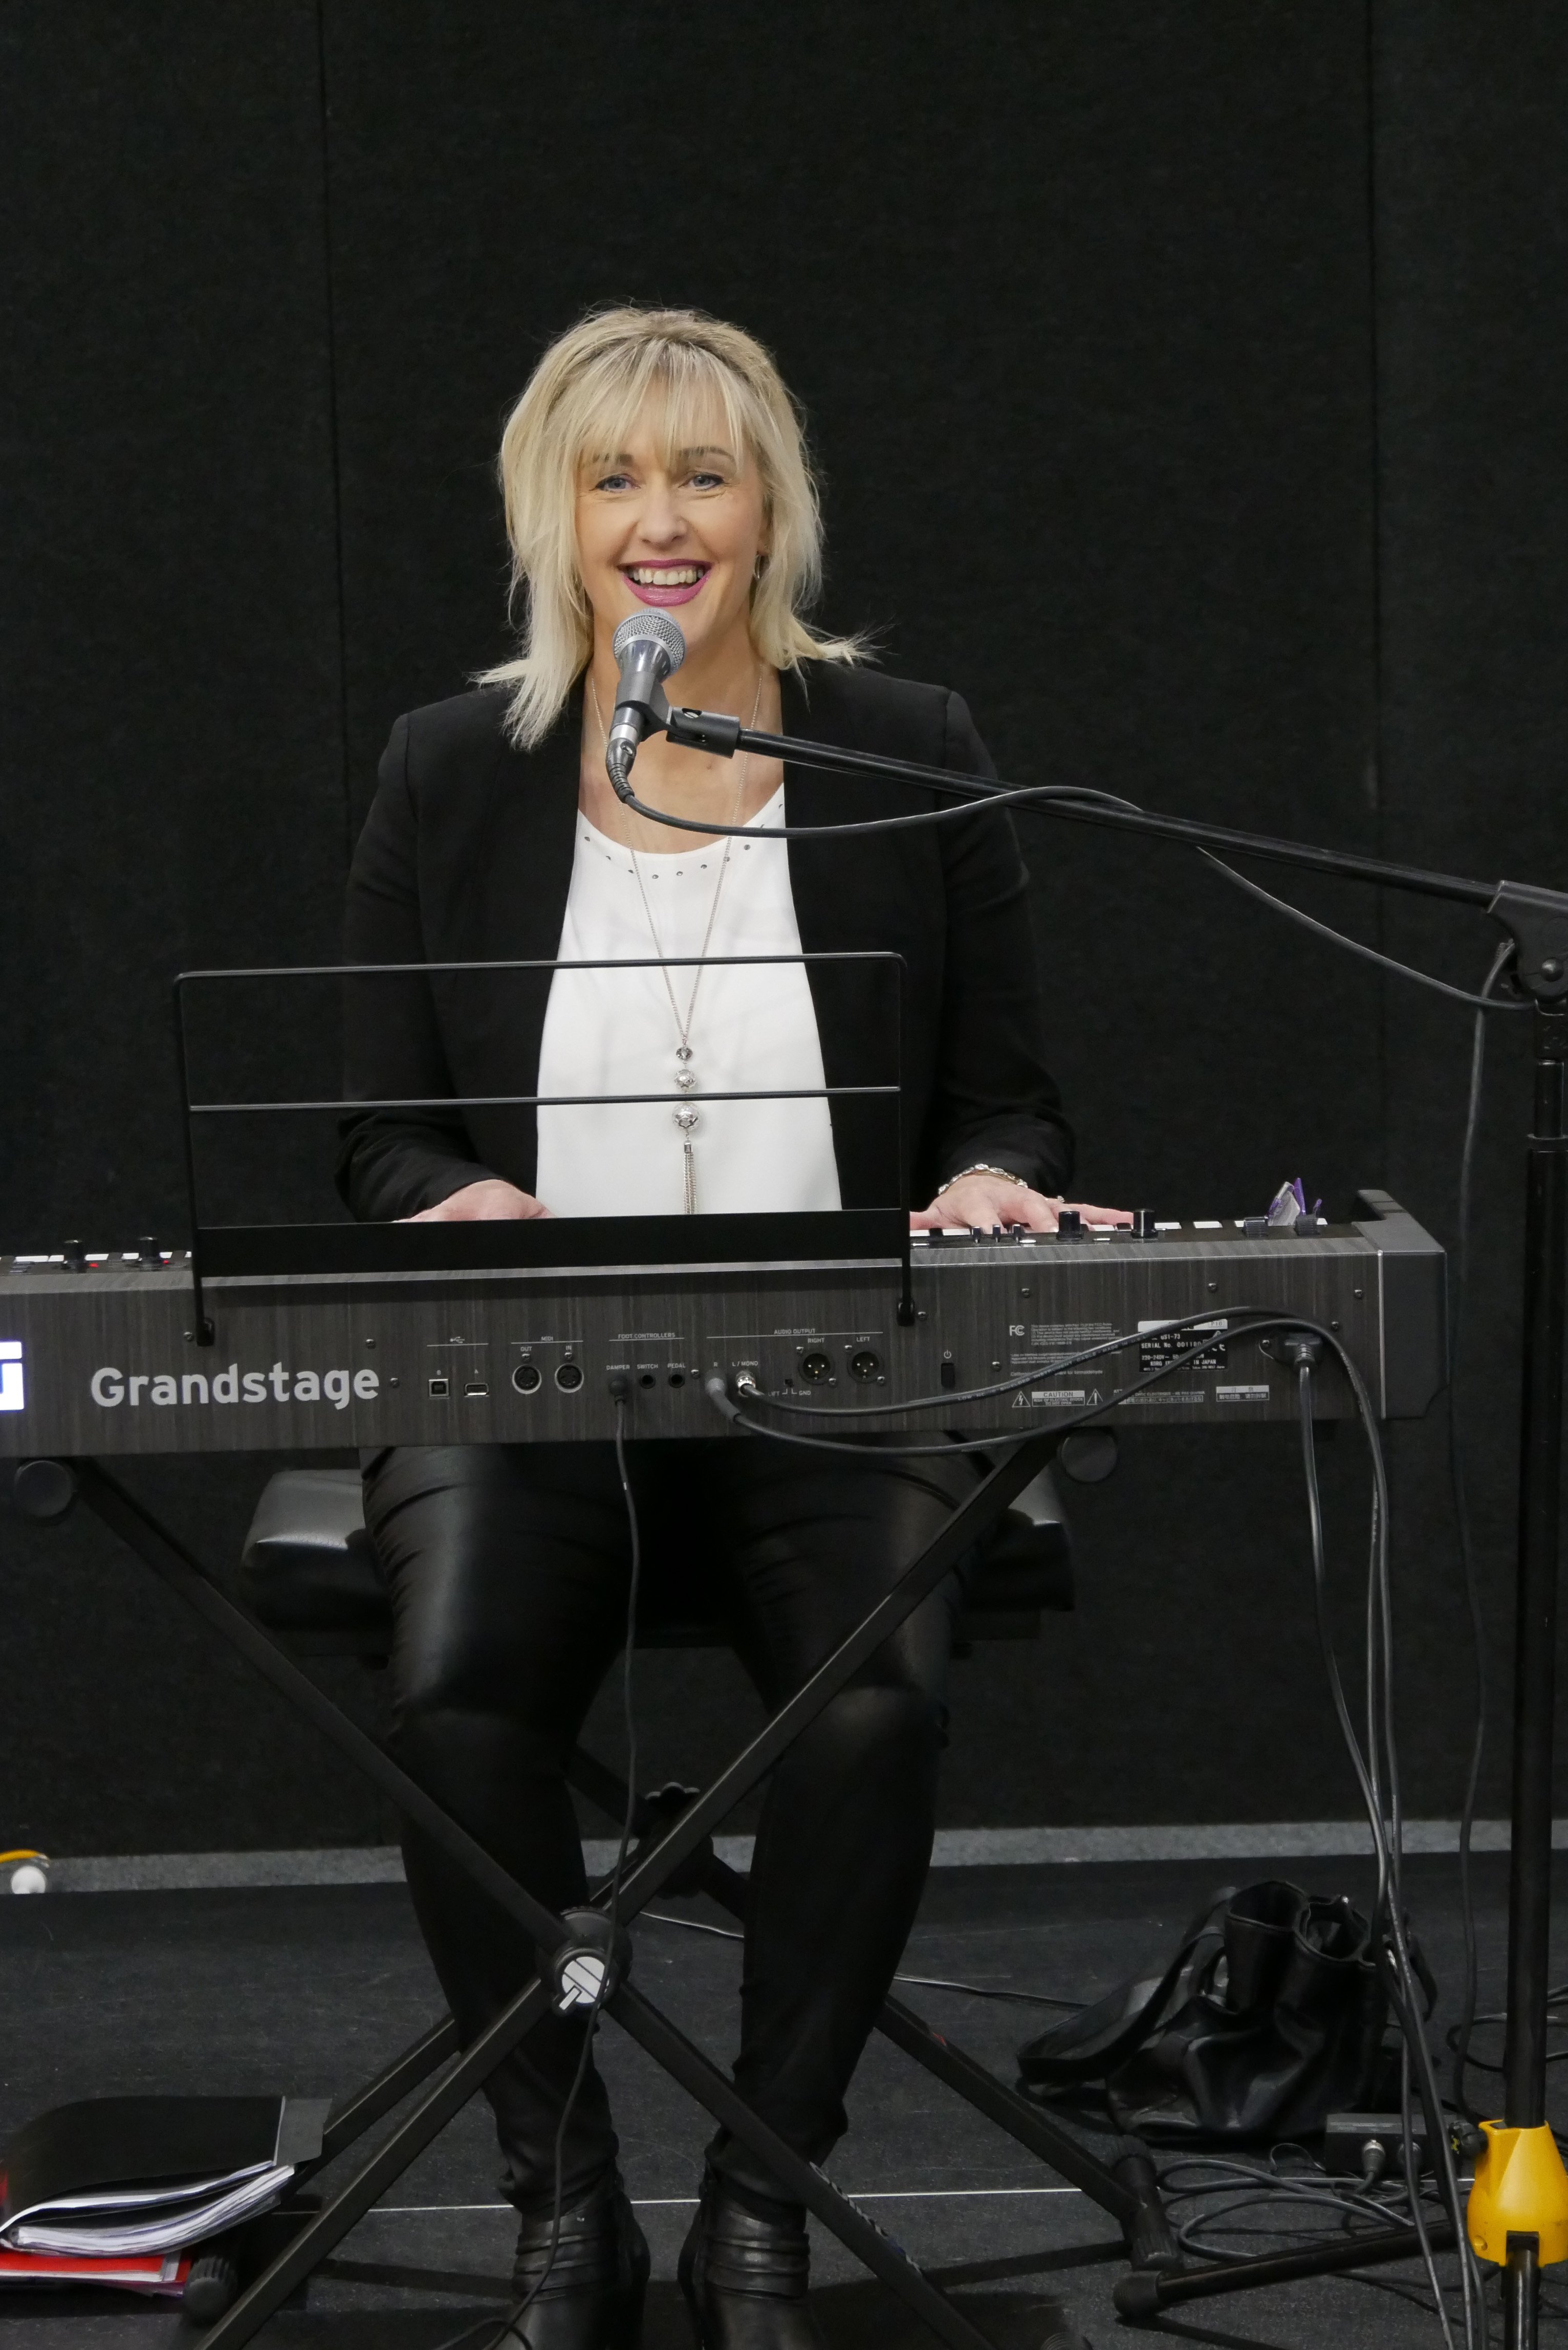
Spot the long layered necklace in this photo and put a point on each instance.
(686, 1117)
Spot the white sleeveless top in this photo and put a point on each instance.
(614, 1031)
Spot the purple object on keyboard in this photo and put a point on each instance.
(1289, 1202)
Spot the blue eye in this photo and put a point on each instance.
(614, 482)
(707, 481)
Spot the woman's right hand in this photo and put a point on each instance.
(489, 1202)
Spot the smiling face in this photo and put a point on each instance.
(680, 527)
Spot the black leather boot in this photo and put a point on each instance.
(592, 2297)
(745, 2277)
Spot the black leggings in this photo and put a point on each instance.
(507, 1567)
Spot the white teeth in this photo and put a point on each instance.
(684, 575)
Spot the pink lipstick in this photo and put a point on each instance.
(678, 588)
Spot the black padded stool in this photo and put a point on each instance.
(309, 1573)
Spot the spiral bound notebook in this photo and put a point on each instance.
(162, 2273)
(138, 2177)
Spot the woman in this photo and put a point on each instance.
(654, 459)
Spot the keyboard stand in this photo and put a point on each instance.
(446, 2077)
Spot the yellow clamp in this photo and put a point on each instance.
(1521, 2189)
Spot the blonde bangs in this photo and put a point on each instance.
(676, 369)
(680, 394)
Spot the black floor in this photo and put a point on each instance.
(308, 1990)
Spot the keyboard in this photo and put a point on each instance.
(330, 1337)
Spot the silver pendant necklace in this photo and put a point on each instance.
(685, 1116)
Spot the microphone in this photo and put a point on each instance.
(648, 645)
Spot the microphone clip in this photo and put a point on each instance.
(704, 729)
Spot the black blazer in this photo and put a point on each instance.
(467, 855)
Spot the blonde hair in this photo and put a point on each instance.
(583, 397)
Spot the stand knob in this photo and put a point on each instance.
(589, 1967)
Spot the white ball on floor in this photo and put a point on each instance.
(31, 1878)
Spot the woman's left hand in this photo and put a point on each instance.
(985, 1201)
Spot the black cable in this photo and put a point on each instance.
(1024, 796)
(1483, 1002)
(515, 2315)
(1473, 2063)
(1369, 1768)
(628, 1709)
(1419, 2217)
(1389, 1915)
(949, 1397)
(1480, 2064)
(1459, 1299)
(975, 796)
(1261, 2186)
(917, 1982)
(1350, 2204)
(1380, 1683)
(1386, 1910)
(714, 1389)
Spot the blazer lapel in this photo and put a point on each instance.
(518, 871)
(845, 897)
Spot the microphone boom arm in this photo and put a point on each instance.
(1536, 919)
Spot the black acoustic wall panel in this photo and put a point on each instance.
(1472, 240)
(170, 749)
(171, 784)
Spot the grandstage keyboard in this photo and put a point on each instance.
(346, 1352)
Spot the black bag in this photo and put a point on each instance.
(1271, 2015)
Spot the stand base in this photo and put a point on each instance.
(1520, 2191)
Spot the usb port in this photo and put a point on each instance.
(474, 1387)
(441, 1385)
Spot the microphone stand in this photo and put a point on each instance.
(1518, 2212)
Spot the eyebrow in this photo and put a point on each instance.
(703, 449)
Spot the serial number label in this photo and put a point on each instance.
(1158, 1345)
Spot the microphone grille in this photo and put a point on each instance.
(650, 628)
